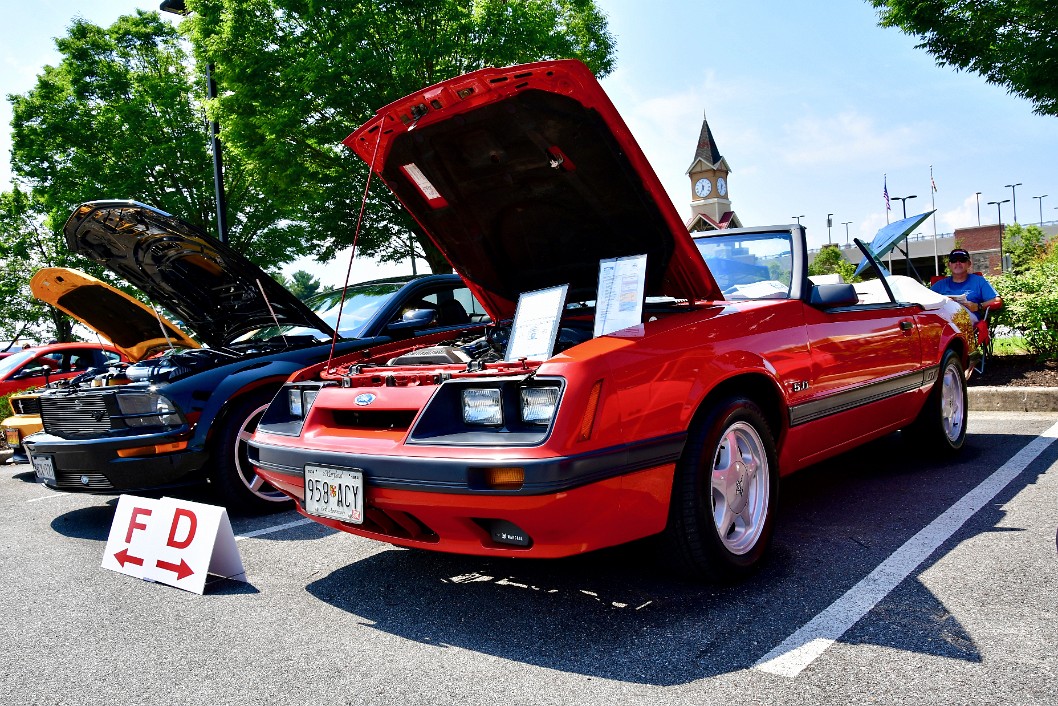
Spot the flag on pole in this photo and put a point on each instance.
(932, 183)
(885, 192)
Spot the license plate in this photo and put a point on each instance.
(335, 493)
(44, 468)
(12, 437)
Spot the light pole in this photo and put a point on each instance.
(846, 224)
(798, 218)
(978, 194)
(999, 211)
(1041, 198)
(903, 201)
(177, 7)
(1014, 195)
(830, 222)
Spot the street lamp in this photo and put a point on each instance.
(1041, 198)
(798, 218)
(978, 194)
(177, 7)
(1014, 195)
(903, 201)
(999, 210)
(846, 224)
(830, 222)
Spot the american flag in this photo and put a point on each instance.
(885, 194)
(932, 183)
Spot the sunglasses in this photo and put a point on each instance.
(958, 258)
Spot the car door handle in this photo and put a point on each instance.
(906, 325)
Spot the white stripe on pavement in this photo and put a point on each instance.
(804, 646)
(49, 497)
(270, 530)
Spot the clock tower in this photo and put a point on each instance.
(710, 190)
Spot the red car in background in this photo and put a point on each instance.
(36, 367)
(639, 381)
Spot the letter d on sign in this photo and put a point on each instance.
(192, 526)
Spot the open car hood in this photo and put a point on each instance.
(526, 177)
(133, 327)
(215, 292)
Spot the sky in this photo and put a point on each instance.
(810, 101)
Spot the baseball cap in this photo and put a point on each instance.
(957, 254)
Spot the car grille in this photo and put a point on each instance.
(385, 419)
(26, 405)
(74, 415)
(96, 481)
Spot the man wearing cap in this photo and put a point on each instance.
(971, 290)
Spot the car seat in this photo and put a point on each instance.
(451, 313)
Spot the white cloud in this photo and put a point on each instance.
(964, 216)
(848, 138)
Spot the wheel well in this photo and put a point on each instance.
(229, 404)
(756, 387)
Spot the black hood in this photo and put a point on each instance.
(213, 290)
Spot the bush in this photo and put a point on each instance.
(1030, 305)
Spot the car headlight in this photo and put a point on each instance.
(147, 409)
(539, 404)
(299, 401)
(481, 405)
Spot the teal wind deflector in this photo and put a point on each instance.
(887, 239)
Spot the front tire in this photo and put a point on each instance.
(722, 512)
(941, 425)
(233, 475)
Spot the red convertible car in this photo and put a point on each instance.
(638, 381)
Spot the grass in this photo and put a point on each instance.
(1013, 345)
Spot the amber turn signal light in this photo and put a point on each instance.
(152, 450)
(504, 478)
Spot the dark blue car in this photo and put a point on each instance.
(184, 416)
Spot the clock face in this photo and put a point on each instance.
(721, 186)
(702, 187)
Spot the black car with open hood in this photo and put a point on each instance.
(182, 416)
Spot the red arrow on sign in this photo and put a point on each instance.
(124, 557)
(182, 570)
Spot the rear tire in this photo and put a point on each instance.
(722, 512)
(233, 476)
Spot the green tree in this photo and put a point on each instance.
(303, 285)
(830, 260)
(28, 244)
(1024, 244)
(122, 116)
(296, 76)
(1010, 43)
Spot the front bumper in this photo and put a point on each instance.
(603, 500)
(94, 466)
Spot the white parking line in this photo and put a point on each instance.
(800, 649)
(50, 496)
(270, 530)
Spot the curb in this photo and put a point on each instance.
(1013, 399)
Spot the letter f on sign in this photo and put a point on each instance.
(133, 524)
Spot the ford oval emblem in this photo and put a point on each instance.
(365, 399)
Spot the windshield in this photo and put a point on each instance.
(749, 265)
(362, 302)
(14, 361)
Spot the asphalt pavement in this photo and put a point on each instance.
(893, 578)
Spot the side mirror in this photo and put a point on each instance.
(828, 296)
(416, 318)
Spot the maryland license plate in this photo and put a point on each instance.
(335, 493)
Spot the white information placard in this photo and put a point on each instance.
(536, 323)
(176, 542)
(619, 302)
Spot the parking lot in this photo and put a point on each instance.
(944, 575)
